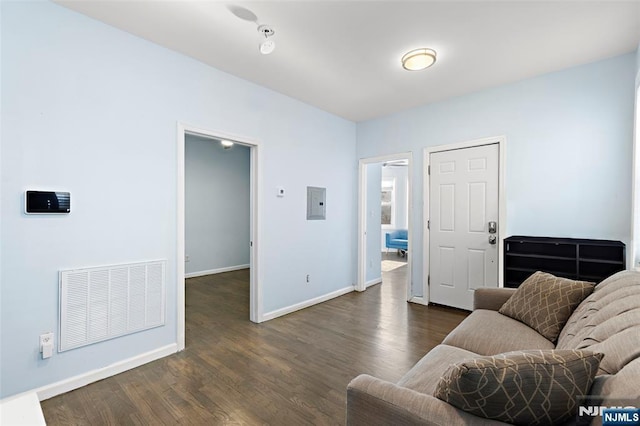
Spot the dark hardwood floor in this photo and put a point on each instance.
(291, 370)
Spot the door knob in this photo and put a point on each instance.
(492, 239)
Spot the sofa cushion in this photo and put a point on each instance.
(487, 332)
(525, 387)
(621, 286)
(619, 388)
(545, 302)
(424, 376)
(608, 321)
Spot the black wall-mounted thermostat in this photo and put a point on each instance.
(38, 202)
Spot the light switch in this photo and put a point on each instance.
(280, 191)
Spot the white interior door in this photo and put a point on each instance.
(463, 188)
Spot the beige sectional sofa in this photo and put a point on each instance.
(607, 322)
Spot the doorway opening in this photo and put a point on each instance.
(235, 258)
(394, 219)
(385, 208)
(217, 195)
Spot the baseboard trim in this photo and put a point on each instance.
(215, 271)
(307, 303)
(373, 282)
(67, 385)
(419, 300)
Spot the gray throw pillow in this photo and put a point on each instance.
(545, 302)
(533, 387)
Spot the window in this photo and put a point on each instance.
(388, 202)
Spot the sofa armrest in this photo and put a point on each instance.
(491, 298)
(371, 401)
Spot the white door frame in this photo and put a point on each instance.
(362, 215)
(502, 202)
(255, 308)
(632, 255)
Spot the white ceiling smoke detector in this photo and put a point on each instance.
(267, 46)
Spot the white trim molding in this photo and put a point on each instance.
(215, 271)
(76, 382)
(307, 303)
(373, 282)
(633, 260)
(419, 300)
(502, 202)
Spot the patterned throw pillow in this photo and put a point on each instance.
(534, 387)
(545, 302)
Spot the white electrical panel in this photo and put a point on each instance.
(316, 203)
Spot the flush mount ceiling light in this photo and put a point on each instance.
(226, 144)
(267, 46)
(419, 59)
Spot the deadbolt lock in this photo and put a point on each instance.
(493, 227)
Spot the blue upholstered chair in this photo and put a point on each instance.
(398, 240)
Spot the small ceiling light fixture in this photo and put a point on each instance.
(267, 46)
(226, 144)
(419, 59)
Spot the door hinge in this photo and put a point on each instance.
(429, 170)
(428, 224)
(428, 279)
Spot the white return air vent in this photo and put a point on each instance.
(102, 303)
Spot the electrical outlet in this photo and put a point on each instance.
(187, 258)
(46, 345)
(46, 338)
(308, 278)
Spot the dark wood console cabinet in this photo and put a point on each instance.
(587, 260)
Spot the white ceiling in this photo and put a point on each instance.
(344, 56)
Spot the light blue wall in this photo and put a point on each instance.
(374, 213)
(569, 148)
(93, 110)
(217, 195)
